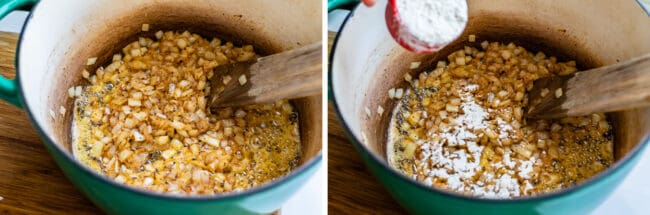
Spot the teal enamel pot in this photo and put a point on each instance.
(59, 35)
(366, 63)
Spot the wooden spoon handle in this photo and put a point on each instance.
(610, 88)
(292, 74)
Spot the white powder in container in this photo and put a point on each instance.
(433, 22)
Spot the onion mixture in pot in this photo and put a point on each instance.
(143, 121)
(460, 127)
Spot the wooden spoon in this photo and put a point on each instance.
(616, 87)
(291, 74)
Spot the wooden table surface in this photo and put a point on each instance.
(30, 181)
(352, 189)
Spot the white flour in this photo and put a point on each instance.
(434, 22)
(460, 165)
(504, 127)
(456, 157)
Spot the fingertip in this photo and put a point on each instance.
(369, 3)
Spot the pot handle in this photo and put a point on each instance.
(645, 4)
(335, 4)
(8, 88)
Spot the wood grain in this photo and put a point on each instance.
(352, 189)
(30, 181)
(616, 87)
(287, 75)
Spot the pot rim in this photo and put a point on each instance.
(448, 193)
(310, 164)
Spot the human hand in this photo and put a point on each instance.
(368, 3)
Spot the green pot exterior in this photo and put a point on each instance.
(117, 200)
(419, 200)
